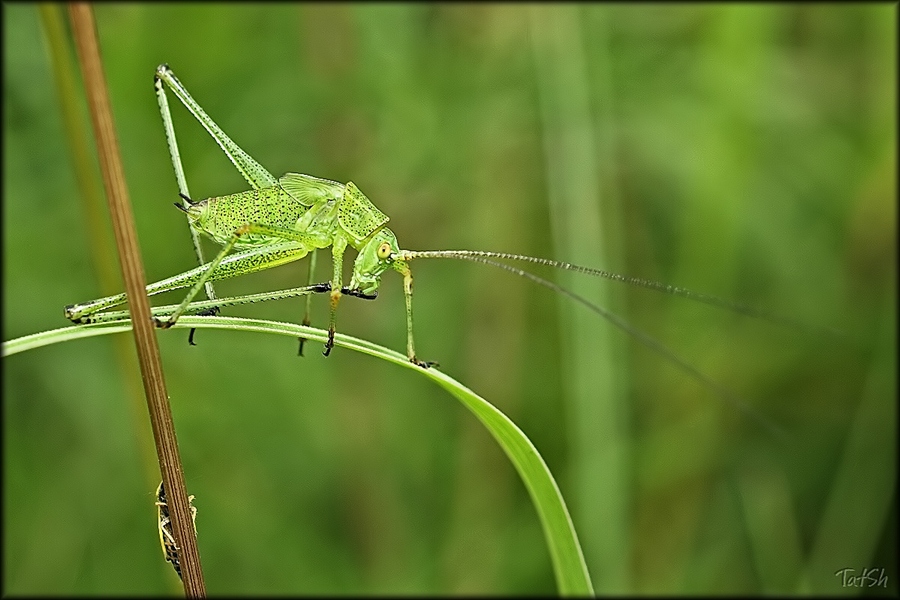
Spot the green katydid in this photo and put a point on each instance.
(284, 219)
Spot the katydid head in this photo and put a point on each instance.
(378, 255)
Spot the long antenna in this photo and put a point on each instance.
(735, 307)
(643, 337)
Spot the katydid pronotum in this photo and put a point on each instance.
(284, 219)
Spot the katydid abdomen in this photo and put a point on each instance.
(220, 216)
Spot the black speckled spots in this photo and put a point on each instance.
(357, 215)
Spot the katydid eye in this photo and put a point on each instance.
(384, 250)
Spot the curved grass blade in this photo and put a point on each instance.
(572, 577)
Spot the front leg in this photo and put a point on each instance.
(337, 255)
(410, 343)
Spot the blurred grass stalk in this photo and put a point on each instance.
(100, 244)
(576, 156)
(850, 539)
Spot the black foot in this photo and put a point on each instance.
(303, 339)
(423, 363)
(358, 294)
(209, 312)
(330, 343)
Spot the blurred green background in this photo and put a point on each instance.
(743, 151)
